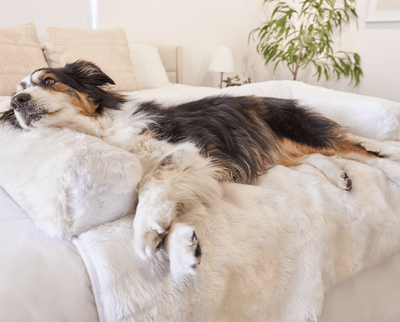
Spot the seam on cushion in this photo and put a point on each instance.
(20, 45)
(88, 45)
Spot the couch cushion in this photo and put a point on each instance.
(20, 55)
(106, 48)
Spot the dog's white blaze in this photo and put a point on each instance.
(27, 83)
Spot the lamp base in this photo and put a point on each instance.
(220, 85)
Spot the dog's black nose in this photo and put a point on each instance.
(19, 100)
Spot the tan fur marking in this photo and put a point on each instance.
(44, 75)
(295, 151)
(150, 133)
(154, 237)
(82, 103)
(290, 162)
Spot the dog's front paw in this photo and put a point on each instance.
(184, 251)
(151, 224)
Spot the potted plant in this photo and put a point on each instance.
(235, 81)
(298, 38)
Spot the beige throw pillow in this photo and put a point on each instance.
(108, 49)
(20, 55)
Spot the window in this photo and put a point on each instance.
(94, 8)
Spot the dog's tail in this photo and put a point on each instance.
(301, 131)
(290, 120)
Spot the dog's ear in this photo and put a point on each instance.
(9, 117)
(88, 72)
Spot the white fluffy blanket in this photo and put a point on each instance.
(269, 251)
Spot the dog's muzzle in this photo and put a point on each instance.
(22, 103)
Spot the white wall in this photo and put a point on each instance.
(45, 13)
(201, 26)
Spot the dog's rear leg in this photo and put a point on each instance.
(387, 156)
(332, 172)
(345, 148)
(384, 149)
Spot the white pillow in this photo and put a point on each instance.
(67, 181)
(148, 66)
(367, 116)
(107, 48)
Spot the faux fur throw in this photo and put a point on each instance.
(269, 251)
(67, 181)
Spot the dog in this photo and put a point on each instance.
(186, 150)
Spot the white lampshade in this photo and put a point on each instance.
(222, 61)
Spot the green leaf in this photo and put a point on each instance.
(277, 63)
(356, 59)
(326, 72)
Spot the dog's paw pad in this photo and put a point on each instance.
(346, 183)
(184, 252)
(196, 249)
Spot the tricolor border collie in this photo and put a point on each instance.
(185, 149)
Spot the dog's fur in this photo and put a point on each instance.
(185, 149)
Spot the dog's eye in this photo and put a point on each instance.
(49, 81)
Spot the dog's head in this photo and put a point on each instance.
(55, 96)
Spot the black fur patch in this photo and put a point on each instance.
(290, 120)
(88, 79)
(210, 123)
(239, 129)
(377, 154)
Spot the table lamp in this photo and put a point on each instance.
(222, 61)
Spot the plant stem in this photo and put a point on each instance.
(295, 72)
(301, 47)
